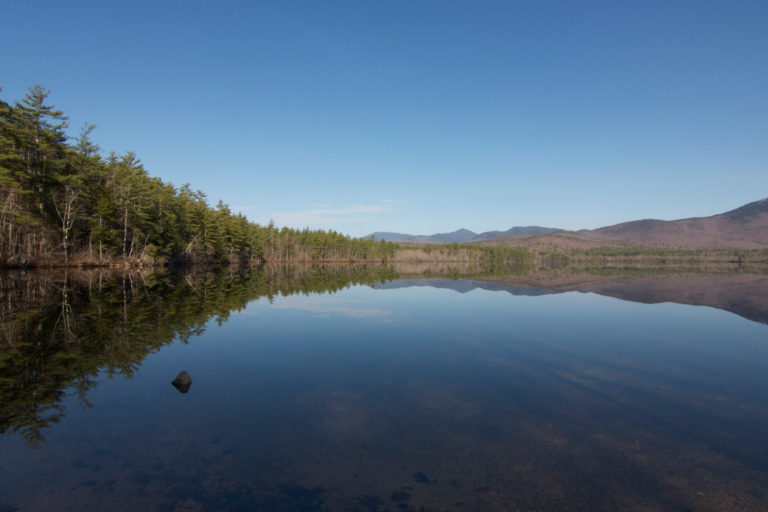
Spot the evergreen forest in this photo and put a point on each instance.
(62, 202)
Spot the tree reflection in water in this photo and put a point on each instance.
(61, 330)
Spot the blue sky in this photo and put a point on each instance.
(417, 116)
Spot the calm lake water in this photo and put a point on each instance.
(330, 391)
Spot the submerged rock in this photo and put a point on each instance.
(421, 478)
(182, 382)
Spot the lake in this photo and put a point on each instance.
(374, 389)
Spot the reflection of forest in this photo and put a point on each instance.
(59, 330)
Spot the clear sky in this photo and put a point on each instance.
(416, 116)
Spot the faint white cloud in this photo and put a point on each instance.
(322, 214)
(328, 215)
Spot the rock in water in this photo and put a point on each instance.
(182, 382)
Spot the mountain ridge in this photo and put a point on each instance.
(744, 227)
(461, 235)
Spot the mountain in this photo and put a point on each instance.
(458, 236)
(392, 237)
(461, 235)
(515, 231)
(745, 227)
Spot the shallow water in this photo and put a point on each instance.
(382, 397)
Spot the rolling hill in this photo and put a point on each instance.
(745, 227)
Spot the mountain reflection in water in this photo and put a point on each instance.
(743, 294)
(328, 396)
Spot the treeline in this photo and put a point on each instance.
(496, 254)
(62, 202)
(644, 256)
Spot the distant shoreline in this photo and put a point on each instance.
(445, 254)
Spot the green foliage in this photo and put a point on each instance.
(65, 204)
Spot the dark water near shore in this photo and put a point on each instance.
(346, 390)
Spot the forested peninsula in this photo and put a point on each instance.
(62, 203)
